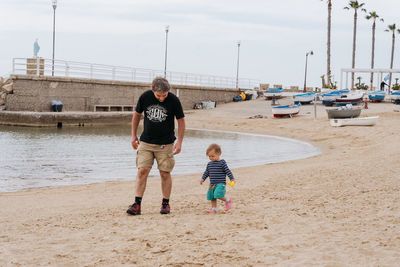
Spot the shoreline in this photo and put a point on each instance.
(341, 207)
(253, 162)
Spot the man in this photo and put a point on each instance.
(160, 108)
(383, 85)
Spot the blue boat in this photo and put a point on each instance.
(305, 98)
(377, 96)
(344, 91)
(274, 90)
(328, 99)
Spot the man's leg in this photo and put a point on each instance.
(141, 180)
(166, 184)
(165, 162)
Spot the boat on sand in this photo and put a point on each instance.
(305, 98)
(343, 112)
(377, 96)
(288, 110)
(363, 121)
(350, 98)
(273, 93)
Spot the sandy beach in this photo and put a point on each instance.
(340, 208)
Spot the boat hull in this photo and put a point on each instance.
(328, 99)
(284, 111)
(288, 114)
(304, 98)
(273, 93)
(343, 113)
(270, 96)
(364, 121)
(348, 100)
(377, 96)
(395, 96)
(354, 99)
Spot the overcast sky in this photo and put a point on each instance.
(275, 35)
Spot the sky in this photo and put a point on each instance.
(275, 36)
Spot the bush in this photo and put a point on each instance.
(362, 86)
(396, 86)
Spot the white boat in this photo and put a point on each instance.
(289, 110)
(363, 121)
(395, 95)
(273, 93)
(305, 98)
(350, 98)
(329, 98)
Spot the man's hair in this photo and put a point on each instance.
(160, 84)
(214, 147)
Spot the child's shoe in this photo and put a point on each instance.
(213, 210)
(228, 204)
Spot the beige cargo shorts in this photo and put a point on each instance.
(163, 154)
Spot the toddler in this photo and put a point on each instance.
(217, 170)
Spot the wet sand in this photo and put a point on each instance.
(340, 208)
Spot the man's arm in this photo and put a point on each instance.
(135, 124)
(181, 133)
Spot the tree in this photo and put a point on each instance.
(328, 43)
(373, 16)
(391, 28)
(354, 5)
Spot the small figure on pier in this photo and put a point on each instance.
(36, 48)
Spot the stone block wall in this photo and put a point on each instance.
(35, 66)
(35, 93)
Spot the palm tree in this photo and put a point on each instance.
(372, 15)
(328, 50)
(354, 5)
(391, 28)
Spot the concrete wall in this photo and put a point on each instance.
(35, 93)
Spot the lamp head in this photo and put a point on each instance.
(54, 3)
(167, 28)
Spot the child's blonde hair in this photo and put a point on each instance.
(214, 147)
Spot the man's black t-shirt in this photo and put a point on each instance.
(159, 117)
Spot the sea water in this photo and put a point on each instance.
(48, 157)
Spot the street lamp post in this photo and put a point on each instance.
(237, 66)
(305, 72)
(54, 3)
(166, 50)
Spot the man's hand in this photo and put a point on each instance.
(177, 148)
(135, 142)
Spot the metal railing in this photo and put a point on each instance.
(42, 66)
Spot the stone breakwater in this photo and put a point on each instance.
(6, 87)
(59, 119)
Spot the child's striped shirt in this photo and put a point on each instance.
(217, 171)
